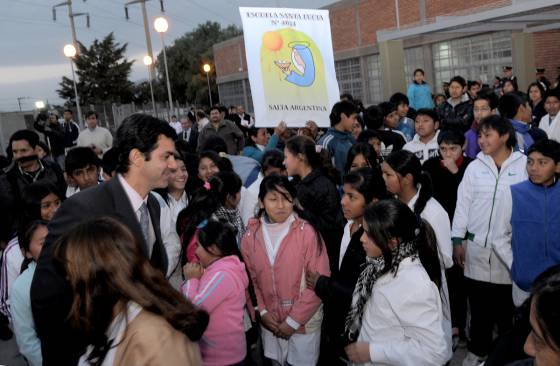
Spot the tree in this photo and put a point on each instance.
(102, 71)
(186, 57)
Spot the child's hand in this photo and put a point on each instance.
(270, 322)
(285, 331)
(192, 270)
(450, 165)
(459, 255)
(358, 352)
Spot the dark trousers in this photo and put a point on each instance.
(490, 305)
(457, 298)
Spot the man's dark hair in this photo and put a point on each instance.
(109, 161)
(373, 117)
(548, 148)
(509, 103)
(79, 158)
(139, 131)
(344, 106)
(387, 108)
(428, 112)
(30, 136)
(215, 107)
(451, 137)
(366, 135)
(552, 93)
(91, 113)
(458, 79)
(214, 143)
(347, 96)
(272, 159)
(398, 99)
(488, 95)
(69, 111)
(173, 116)
(472, 83)
(502, 126)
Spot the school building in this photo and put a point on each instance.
(378, 43)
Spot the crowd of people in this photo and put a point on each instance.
(403, 232)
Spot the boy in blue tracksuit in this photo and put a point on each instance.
(338, 139)
(534, 219)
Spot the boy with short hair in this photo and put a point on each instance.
(479, 197)
(530, 218)
(82, 168)
(406, 125)
(338, 139)
(447, 170)
(515, 107)
(425, 142)
(551, 122)
(485, 104)
(457, 111)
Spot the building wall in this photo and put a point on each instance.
(547, 52)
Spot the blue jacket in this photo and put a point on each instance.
(254, 152)
(338, 143)
(535, 222)
(526, 136)
(420, 96)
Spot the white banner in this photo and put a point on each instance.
(291, 65)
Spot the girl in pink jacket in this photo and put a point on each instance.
(279, 248)
(218, 284)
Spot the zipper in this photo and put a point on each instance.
(545, 222)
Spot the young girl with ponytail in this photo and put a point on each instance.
(218, 284)
(396, 314)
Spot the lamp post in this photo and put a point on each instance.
(39, 104)
(161, 26)
(148, 62)
(70, 52)
(206, 68)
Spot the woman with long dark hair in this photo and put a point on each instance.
(396, 314)
(126, 309)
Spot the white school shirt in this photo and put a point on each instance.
(403, 319)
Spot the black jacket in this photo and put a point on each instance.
(51, 294)
(320, 200)
(460, 117)
(55, 134)
(445, 183)
(192, 140)
(12, 185)
(336, 293)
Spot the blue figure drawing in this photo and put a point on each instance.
(302, 59)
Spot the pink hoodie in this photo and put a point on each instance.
(279, 287)
(221, 291)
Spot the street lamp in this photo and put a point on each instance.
(70, 52)
(148, 62)
(161, 26)
(206, 68)
(39, 104)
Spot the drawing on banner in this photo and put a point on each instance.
(291, 60)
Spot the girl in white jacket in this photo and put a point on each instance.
(396, 314)
(476, 244)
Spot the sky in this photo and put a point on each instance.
(32, 62)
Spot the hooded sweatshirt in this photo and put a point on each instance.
(221, 291)
(423, 151)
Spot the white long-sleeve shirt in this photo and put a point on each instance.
(403, 319)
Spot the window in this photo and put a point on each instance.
(349, 77)
(231, 93)
(374, 80)
(413, 59)
(474, 58)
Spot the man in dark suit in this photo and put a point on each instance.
(189, 132)
(145, 147)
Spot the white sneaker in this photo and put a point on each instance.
(473, 360)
